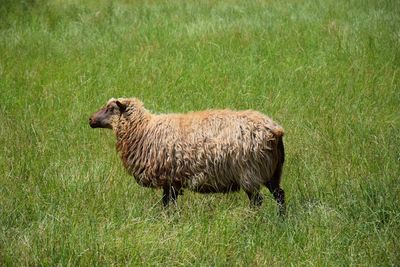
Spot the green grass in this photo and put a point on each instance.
(328, 71)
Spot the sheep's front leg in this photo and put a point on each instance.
(170, 193)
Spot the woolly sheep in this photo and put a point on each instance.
(208, 151)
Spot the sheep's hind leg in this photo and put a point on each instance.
(279, 196)
(274, 184)
(170, 193)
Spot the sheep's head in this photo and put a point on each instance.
(108, 116)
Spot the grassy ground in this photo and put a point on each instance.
(328, 71)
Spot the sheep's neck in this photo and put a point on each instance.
(130, 134)
(131, 126)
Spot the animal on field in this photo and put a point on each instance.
(212, 151)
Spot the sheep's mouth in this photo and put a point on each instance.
(94, 124)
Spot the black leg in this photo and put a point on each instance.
(256, 199)
(174, 194)
(166, 195)
(279, 196)
(170, 193)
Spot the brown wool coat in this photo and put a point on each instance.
(206, 151)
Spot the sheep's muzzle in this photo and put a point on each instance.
(93, 123)
(100, 119)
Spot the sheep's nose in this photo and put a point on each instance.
(91, 121)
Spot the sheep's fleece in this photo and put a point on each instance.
(206, 151)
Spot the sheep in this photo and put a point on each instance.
(211, 151)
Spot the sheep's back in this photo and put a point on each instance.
(219, 150)
(217, 147)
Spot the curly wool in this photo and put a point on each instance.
(207, 151)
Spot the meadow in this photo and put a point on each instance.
(326, 70)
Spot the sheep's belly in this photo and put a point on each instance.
(201, 183)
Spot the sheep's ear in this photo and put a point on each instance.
(121, 106)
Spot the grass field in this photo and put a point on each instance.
(328, 71)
